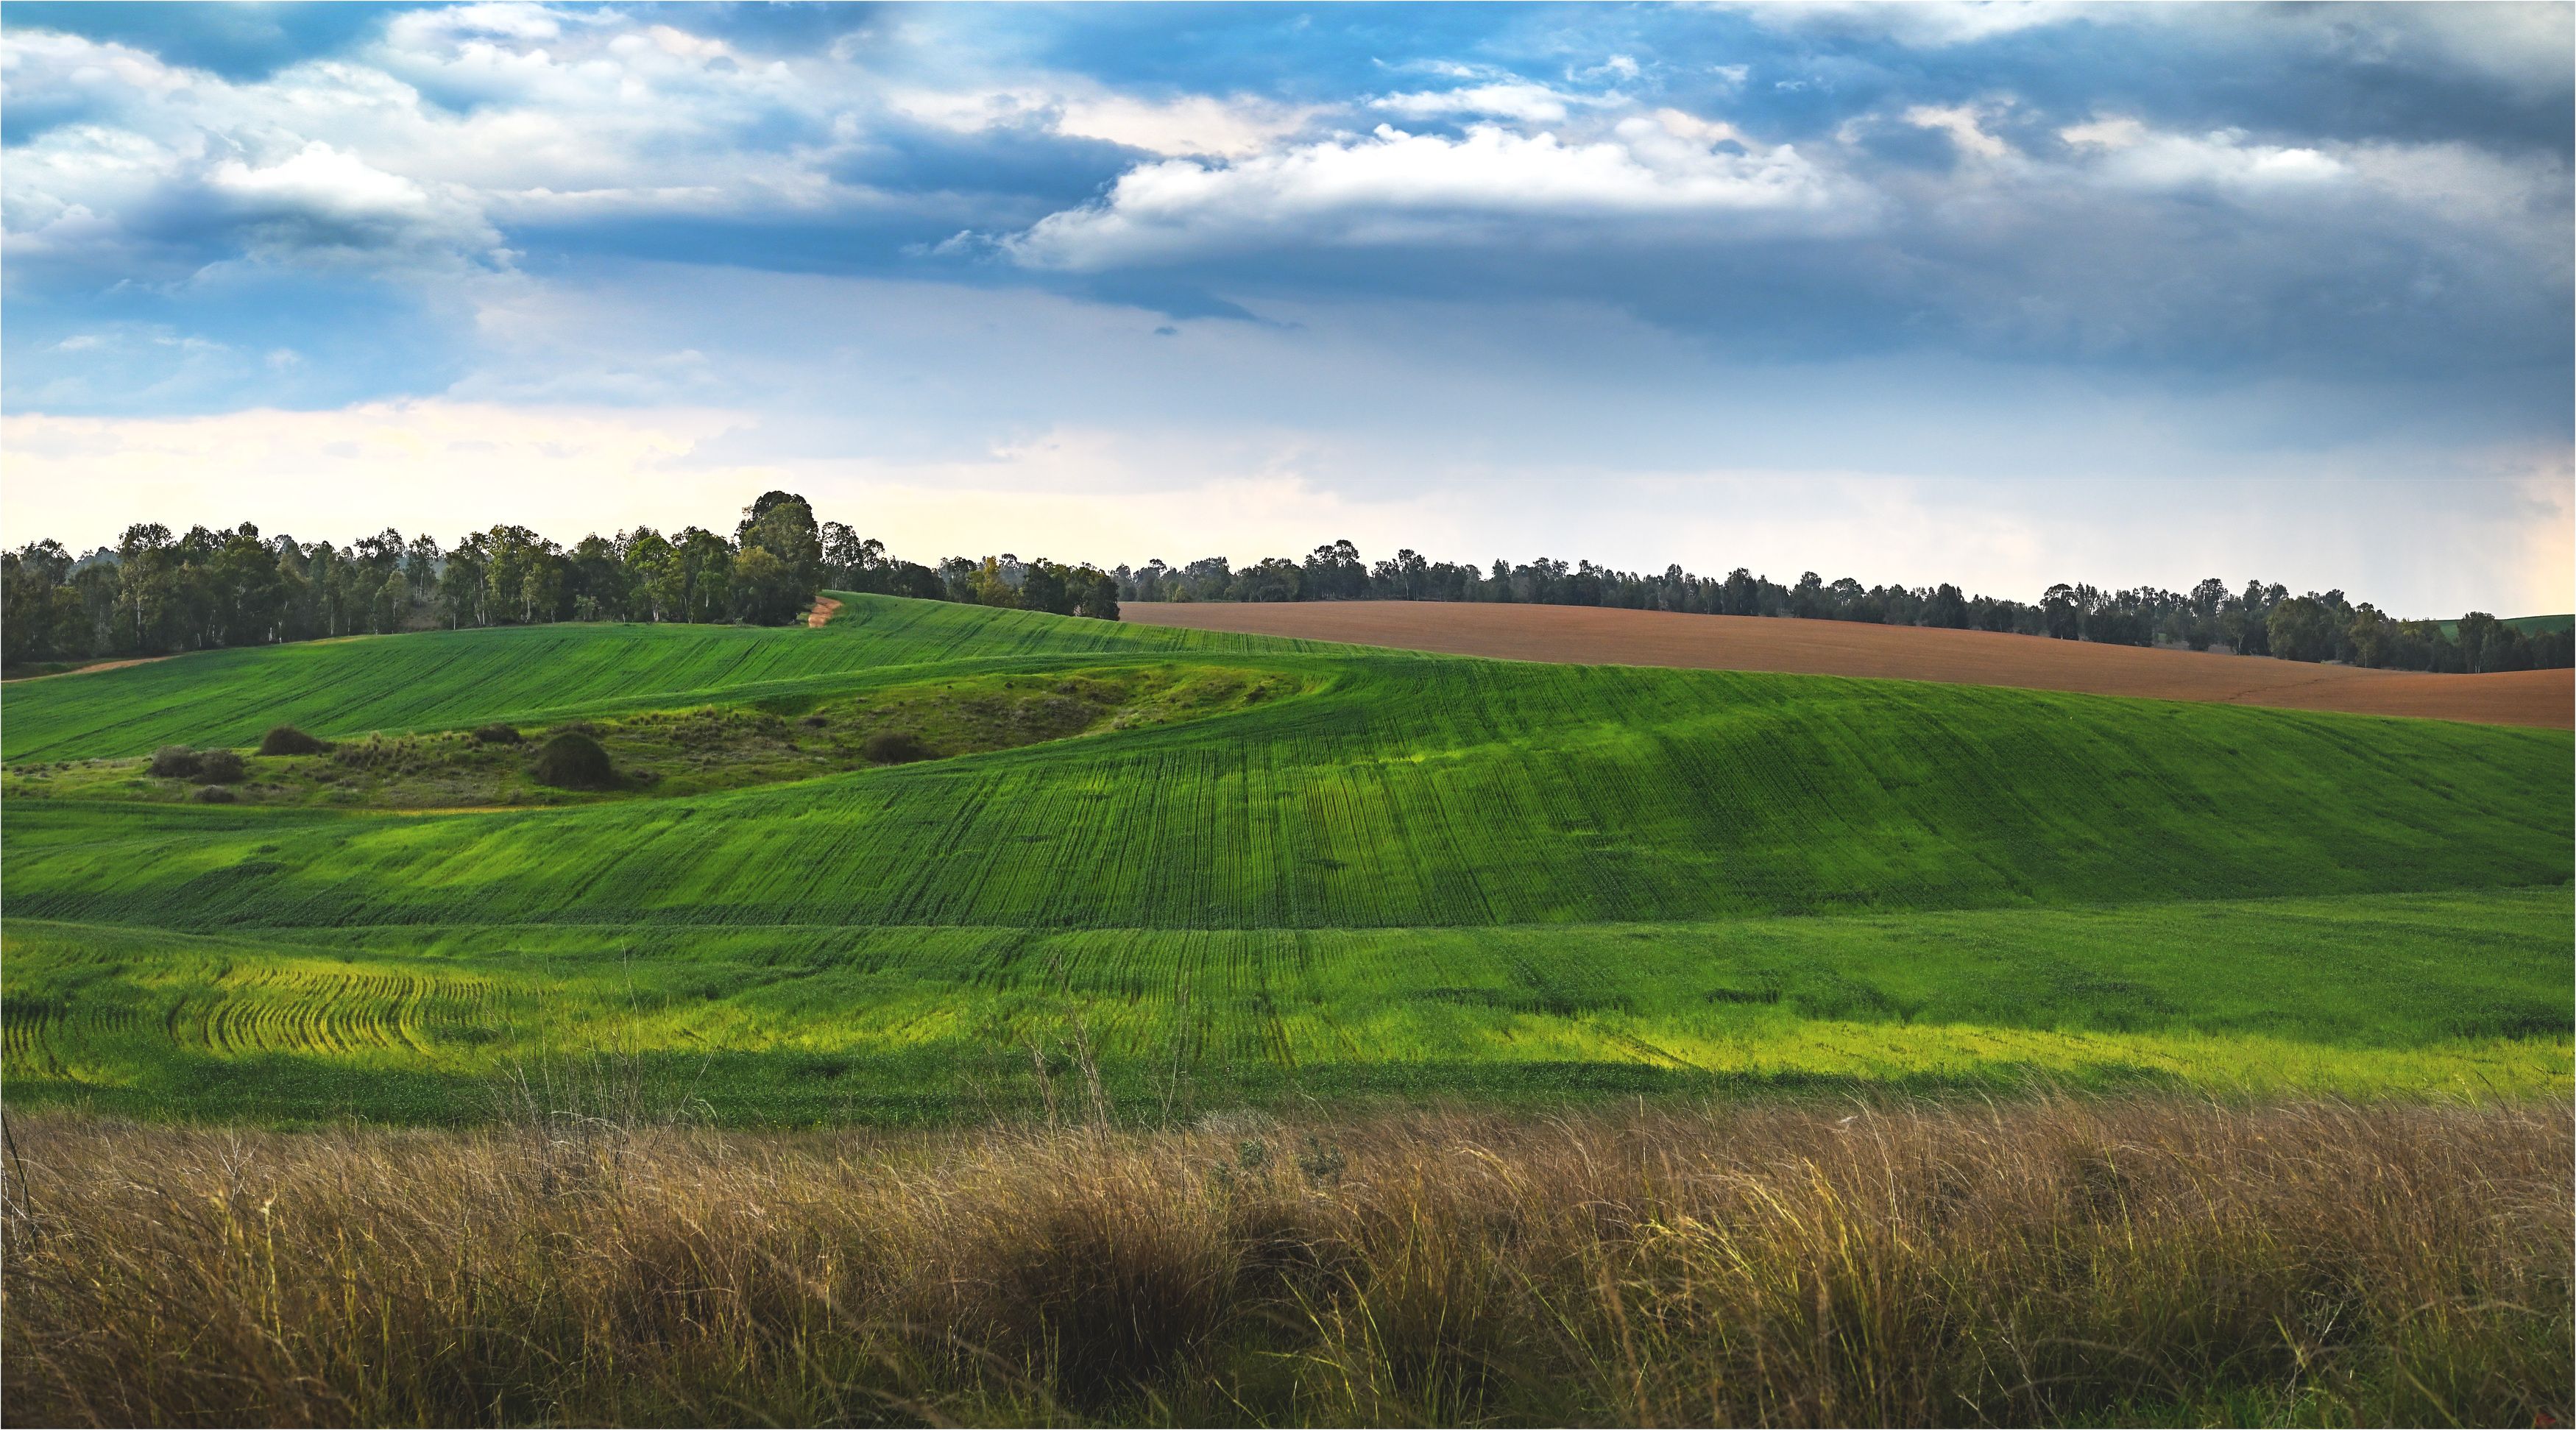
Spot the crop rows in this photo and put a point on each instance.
(1419, 868)
(457, 679)
(1961, 997)
(1440, 794)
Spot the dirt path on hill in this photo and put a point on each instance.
(92, 669)
(824, 606)
(1593, 635)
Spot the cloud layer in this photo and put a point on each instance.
(1615, 242)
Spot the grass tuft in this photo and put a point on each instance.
(2042, 1261)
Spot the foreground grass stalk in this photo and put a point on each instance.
(2045, 1261)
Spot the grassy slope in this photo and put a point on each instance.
(1423, 791)
(2447, 992)
(1170, 871)
(456, 679)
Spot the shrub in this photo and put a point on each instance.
(497, 734)
(572, 760)
(816, 722)
(287, 740)
(217, 794)
(894, 747)
(219, 767)
(174, 762)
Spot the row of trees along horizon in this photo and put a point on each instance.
(155, 593)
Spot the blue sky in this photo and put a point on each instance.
(2000, 294)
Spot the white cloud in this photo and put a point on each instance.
(1965, 124)
(2126, 152)
(1184, 125)
(1177, 125)
(322, 200)
(2520, 202)
(1923, 24)
(1397, 187)
(1517, 99)
(351, 160)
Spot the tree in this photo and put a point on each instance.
(144, 587)
(656, 577)
(985, 586)
(1273, 579)
(2059, 614)
(421, 560)
(781, 524)
(595, 580)
(765, 590)
(1334, 572)
(851, 563)
(462, 584)
(2301, 628)
(1095, 594)
(1045, 588)
(706, 575)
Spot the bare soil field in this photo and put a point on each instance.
(1591, 635)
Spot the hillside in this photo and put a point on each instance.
(1592, 635)
(455, 679)
(1398, 869)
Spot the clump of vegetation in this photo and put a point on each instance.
(2033, 1262)
(287, 740)
(894, 747)
(219, 767)
(499, 734)
(174, 762)
(216, 794)
(573, 760)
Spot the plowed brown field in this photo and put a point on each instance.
(1589, 635)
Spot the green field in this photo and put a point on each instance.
(2528, 625)
(1233, 868)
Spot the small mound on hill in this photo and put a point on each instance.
(497, 734)
(174, 762)
(894, 747)
(287, 740)
(219, 767)
(215, 794)
(572, 760)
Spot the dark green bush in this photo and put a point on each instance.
(498, 735)
(174, 762)
(217, 794)
(219, 767)
(572, 760)
(287, 740)
(894, 747)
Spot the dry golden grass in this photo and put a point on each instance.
(2044, 1261)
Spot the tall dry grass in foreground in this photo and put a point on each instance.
(2032, 1262)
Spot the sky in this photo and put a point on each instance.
(2004, 295)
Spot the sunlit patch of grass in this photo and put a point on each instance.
(940, 1019)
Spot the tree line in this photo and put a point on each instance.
(2260, 619)
(155, 593)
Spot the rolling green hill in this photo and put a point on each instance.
(454, 679)
(1524, 867)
